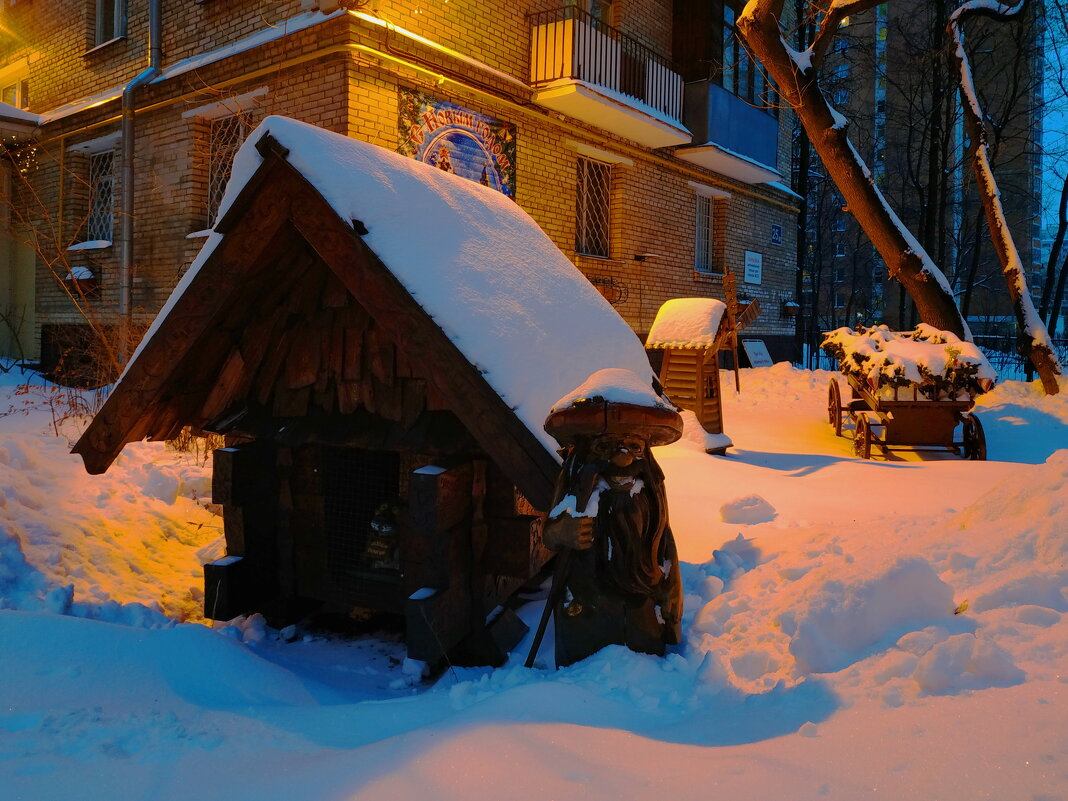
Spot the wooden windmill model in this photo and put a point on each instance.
(692, 332)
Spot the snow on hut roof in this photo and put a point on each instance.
(499, 288)
(687, 323)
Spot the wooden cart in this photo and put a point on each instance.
(906, 420)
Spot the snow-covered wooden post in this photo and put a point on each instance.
(1034, 340)
(691, 332)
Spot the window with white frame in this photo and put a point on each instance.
(16, 93)
(704, 236)
(592, 204)
(110, 20)
(225, 135)
(100, 222)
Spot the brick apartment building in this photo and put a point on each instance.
(635, 132)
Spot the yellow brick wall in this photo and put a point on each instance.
(318, 76)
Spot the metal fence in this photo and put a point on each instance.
(571, 43)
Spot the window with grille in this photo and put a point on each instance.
(101, 218)
(704, 236)
(592, 207)
(110, 20)
(225, 136)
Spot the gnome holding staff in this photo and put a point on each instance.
(617, 579)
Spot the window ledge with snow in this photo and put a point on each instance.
(92, 244)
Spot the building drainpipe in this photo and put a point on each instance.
(126, 254)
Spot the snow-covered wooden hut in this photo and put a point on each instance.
(371, 334)
(692, 332)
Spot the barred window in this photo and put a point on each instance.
(99, 225)
(225, 136)
(704, 238)
(592, 207)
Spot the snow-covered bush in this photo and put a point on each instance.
(941, 365)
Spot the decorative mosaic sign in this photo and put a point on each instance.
(458, 140)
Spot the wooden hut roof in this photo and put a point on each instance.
(456, 274)
(689, 324)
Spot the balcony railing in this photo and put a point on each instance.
(569, 43)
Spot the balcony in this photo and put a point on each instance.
(733, 137)
(588, 70)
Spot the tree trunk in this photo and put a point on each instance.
(1044, 309)
(797, 81)
(1034, 340)
(1058, 296)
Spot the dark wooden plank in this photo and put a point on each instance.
(348, 397)
(302, 361)
(352, 361)
(229, 382)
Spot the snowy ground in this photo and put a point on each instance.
(822, 658)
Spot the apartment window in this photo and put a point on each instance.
(704, 237)
(592, 203)
(839, 249)
(841, 97)
(601, 10)
(16, 93)
(225, 136)
(110, 20)
(839, 223)
(99, 226)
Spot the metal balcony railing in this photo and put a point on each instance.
(570, 43)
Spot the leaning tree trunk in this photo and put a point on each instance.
(796, 77)
(1054, 259)
(1034, 340)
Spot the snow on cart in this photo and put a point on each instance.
(909, 389)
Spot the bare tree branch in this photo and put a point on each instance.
(906, 260)
(838, 11)
(1035, 342)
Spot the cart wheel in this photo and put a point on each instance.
(974, 438)
(862, 438)
(834, 407)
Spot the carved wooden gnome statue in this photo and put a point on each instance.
(621, 584)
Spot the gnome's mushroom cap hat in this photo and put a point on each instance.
(614, 401)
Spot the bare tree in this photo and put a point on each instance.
(32, 222)
(1034, 339)
(797, 76)
(1053, 289)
